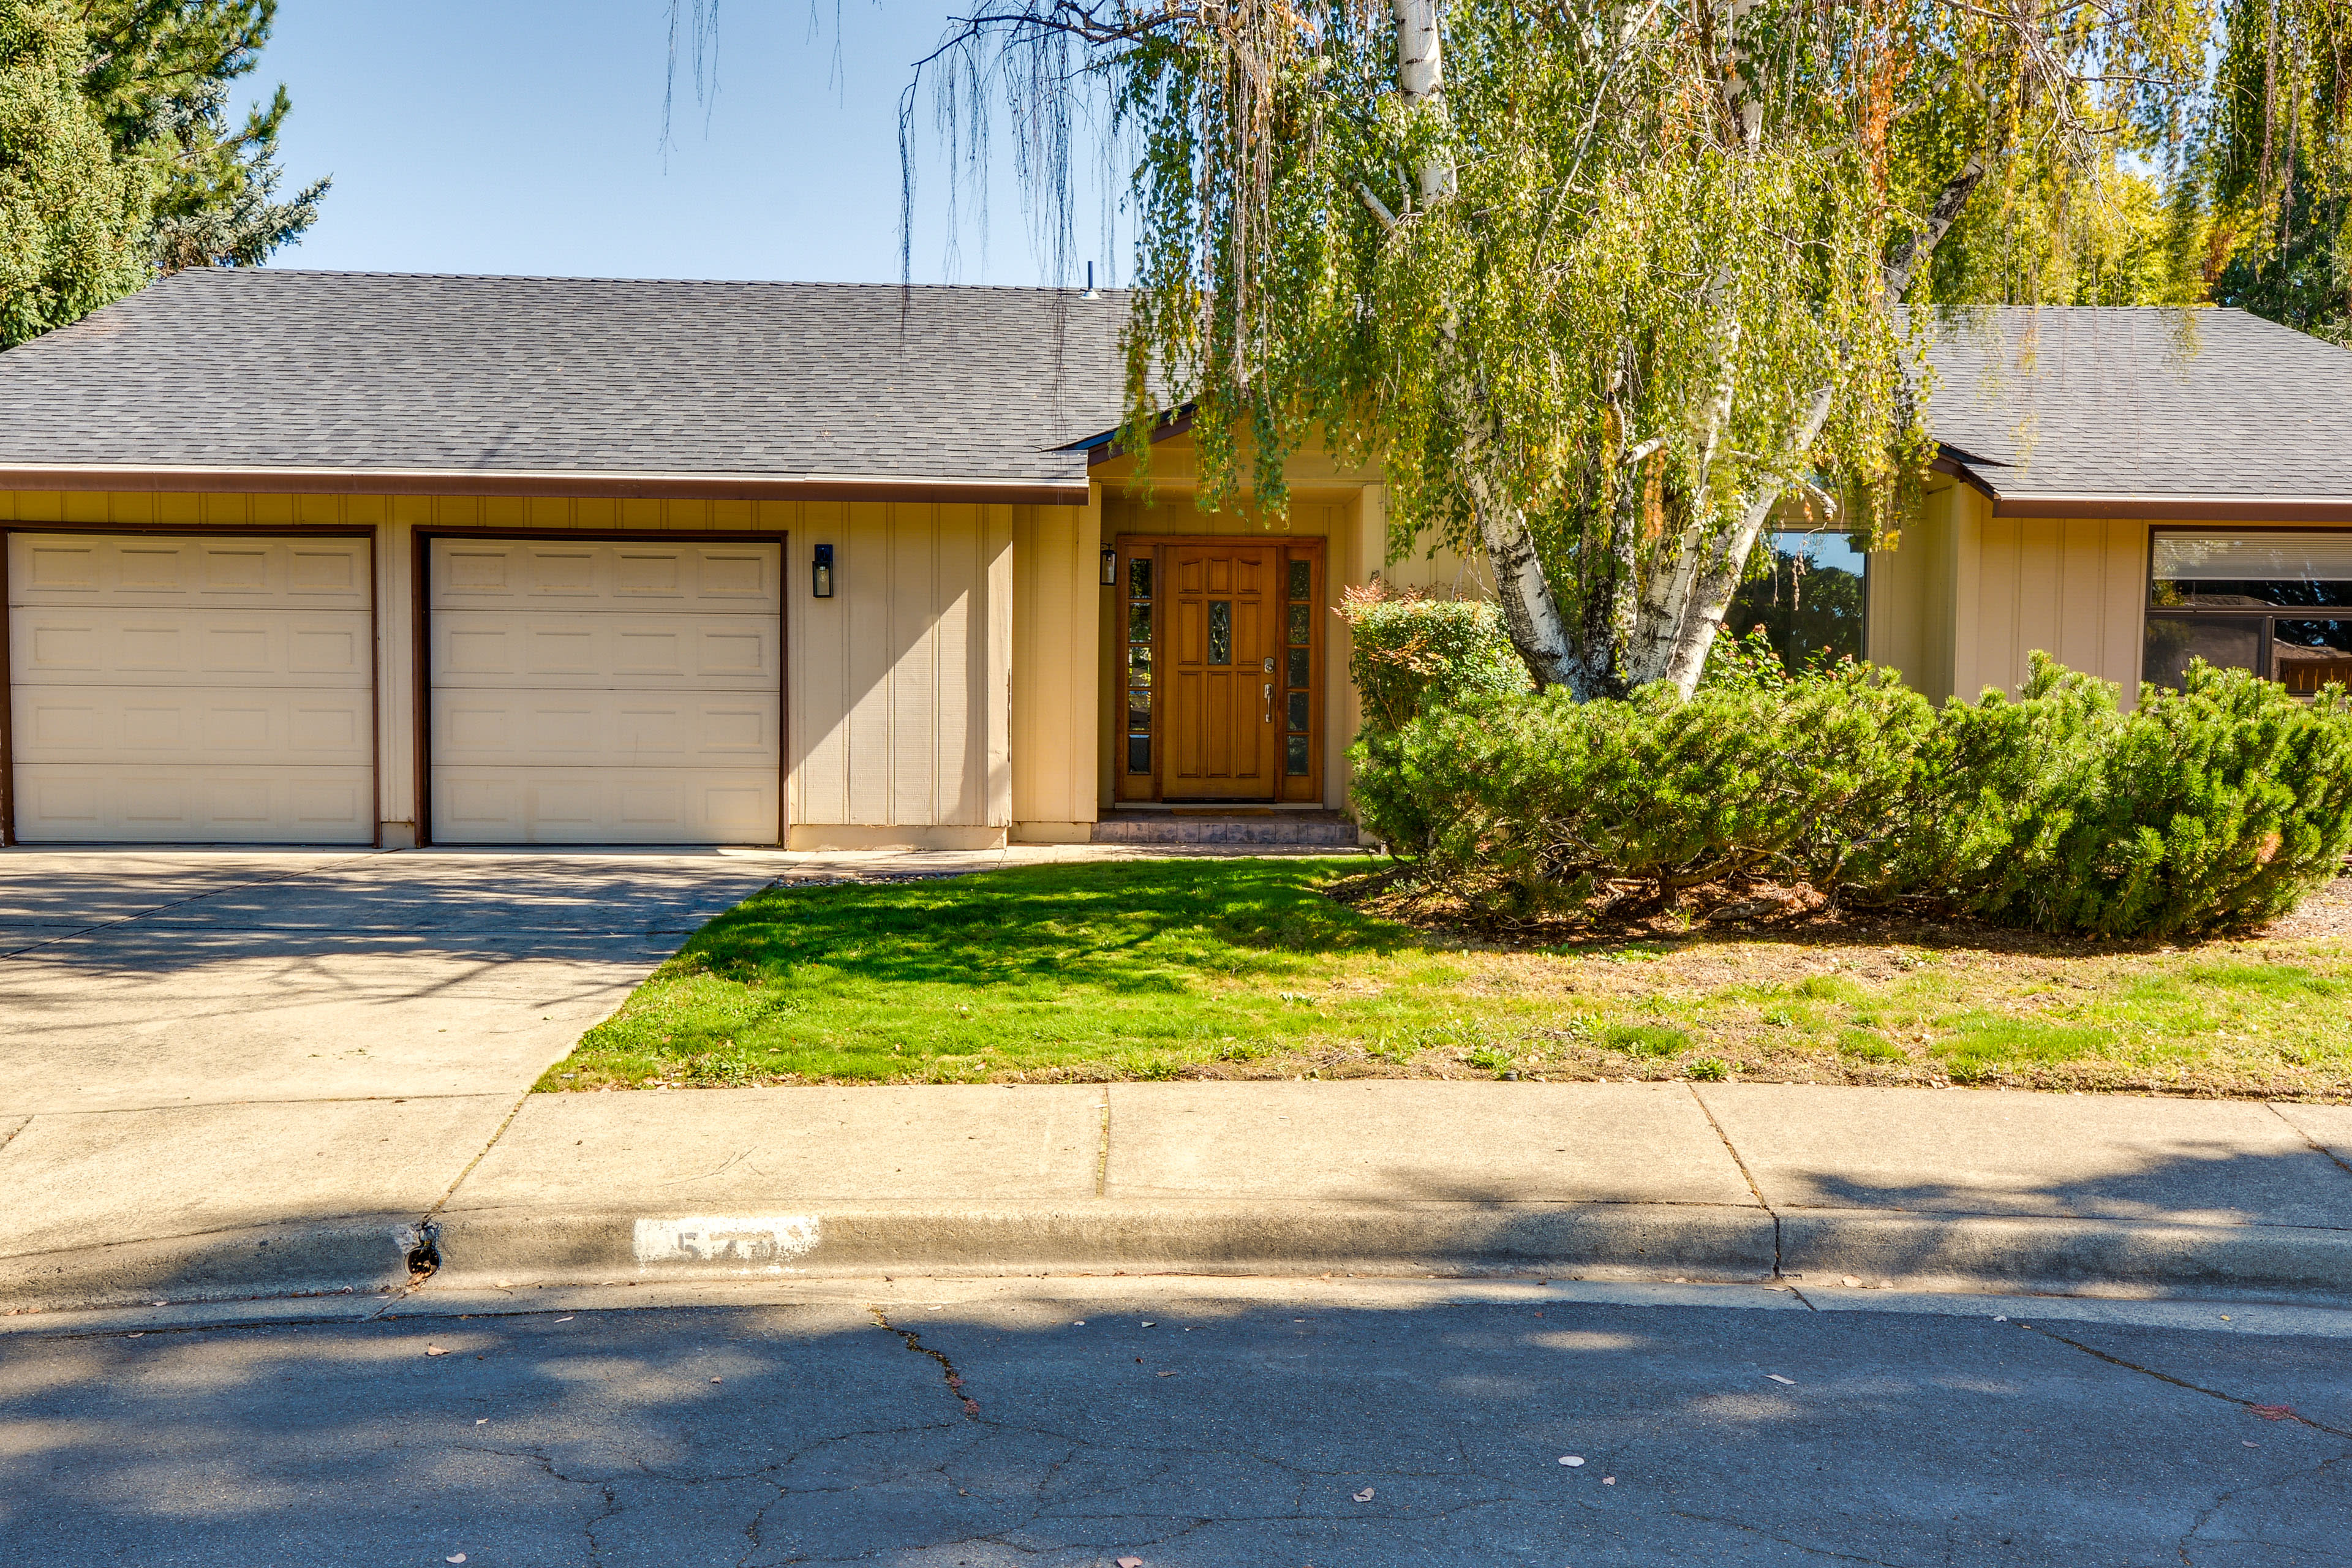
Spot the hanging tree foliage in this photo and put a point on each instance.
(2280, 161)
(1599, 282)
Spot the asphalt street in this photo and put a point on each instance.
(1322, 1426)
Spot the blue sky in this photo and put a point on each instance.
(525, 136)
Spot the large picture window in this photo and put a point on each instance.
(2276, 601)
(1809, 600)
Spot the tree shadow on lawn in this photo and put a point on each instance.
(1123, 927)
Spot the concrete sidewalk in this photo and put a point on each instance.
(1806, 1186)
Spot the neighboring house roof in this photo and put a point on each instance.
(2149, 412)
(355, 381)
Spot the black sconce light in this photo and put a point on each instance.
(1110, 567)
(821, 572)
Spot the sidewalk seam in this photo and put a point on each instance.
(428, 1231)
(1102, 1148)
(1706, 1111)
(2315, 1146)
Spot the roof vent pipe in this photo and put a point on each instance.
(1092, 292)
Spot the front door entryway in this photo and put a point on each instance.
(1221, 645)
(1220, 669)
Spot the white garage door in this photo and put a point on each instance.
(190, 690)
(603, 692)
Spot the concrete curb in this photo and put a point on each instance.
(1638, 1239)
(361, 1254)
(1631, 1241)
(1599, 1241)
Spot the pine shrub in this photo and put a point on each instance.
(2211, 808)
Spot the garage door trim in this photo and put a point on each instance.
(12, 526)
(421, 631)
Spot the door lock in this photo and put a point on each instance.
(1269, 700)
(1269, 666)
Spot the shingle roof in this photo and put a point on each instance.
(264, 368)
(353, 373)
(2082, 401)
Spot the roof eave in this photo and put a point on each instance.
(581, 484)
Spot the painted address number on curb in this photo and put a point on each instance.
(769, 1240)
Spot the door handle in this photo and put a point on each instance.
(1269, 702)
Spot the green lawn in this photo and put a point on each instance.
(1247, 968)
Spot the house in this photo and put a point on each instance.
(308, 557)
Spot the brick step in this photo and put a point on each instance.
(1273, 828)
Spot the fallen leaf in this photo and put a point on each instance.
(2250, 1445)
(435, 1350)
(1851, 1283)
(1778, 1378)
(1166, 1374)
(139, 1336)
(1364, 1495)
(483, 1422)
(564, 1319)
(1571, 1460)
(718, 1380)
(460, 1558)
(1150, 1324)
(1609, 1481)
(1130, 1563)
(2273, 1412)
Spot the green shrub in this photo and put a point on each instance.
(2216, 806)
(1409, 653)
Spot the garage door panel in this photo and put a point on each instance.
(614, 647)
(152, 803)
(616, 728)
(127, 571)
(605, 806)
(92, 724)
(708, 578)
(212, 690)
(51, 643)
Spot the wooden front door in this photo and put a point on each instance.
(1222, 636)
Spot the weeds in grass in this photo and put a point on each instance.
(1710, 1070)
(1647, 1040)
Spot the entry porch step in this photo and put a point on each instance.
(1238, 825)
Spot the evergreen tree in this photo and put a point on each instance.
(162, 79)
(75, 215)
(117, 158)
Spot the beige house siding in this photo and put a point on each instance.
(898, 709)
(1968, 597)
(1059, 610)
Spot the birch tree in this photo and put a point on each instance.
(1598, 283)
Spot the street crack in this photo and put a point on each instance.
(954, 1379)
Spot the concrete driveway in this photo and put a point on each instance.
(207, 1053)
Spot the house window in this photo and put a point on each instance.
(1808, 596)
(1298, 667)
(2276, 601)
(1138, 663)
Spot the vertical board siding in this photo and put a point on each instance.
(891, 716)
(2072, 588)
(1057, 656)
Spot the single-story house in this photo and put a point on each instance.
(312, 557)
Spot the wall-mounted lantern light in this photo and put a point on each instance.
(1110, 567)
(821, 572)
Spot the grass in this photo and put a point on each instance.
(1253, 968)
